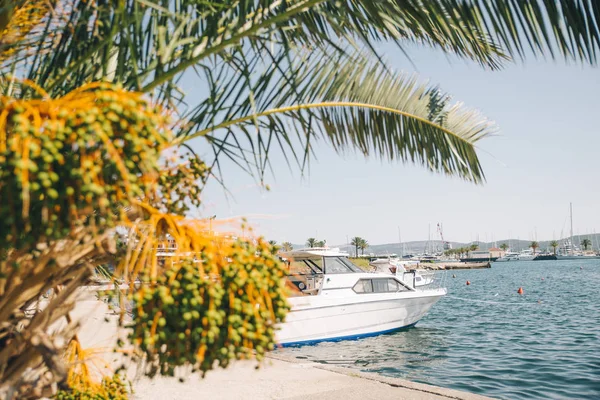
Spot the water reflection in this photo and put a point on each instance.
(411, 347)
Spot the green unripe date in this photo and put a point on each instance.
(207, 318)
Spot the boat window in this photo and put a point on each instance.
(380, 285)
(304, 267)
(350, 265)
(300, 268)
(388, 285)
(333, 265)
(363, 286)
(316, 264)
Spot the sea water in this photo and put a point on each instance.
(487, 339)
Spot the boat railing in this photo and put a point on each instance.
(429, 279)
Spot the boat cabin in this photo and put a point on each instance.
(308, 269)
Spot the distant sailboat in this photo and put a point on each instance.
(568, 251)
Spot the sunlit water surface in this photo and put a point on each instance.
(487, 339)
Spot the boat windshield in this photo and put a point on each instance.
(339, 265)
(327, 265)
(306, 267)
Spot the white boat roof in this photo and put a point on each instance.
(314, 252)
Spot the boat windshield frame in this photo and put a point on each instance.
(351, 265)
(317, 270)
(313, 265)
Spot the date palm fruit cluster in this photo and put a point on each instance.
(221, 306)
(181, 182)
(74, 160)
(111, 388)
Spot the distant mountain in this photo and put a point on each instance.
(422, 246)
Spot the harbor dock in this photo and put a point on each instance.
(278, 377)
(281, 377)
(452, 265)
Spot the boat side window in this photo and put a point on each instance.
(363, 286)
(395, 286)
(387, 285)
(334, 265)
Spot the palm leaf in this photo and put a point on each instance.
(353, 104)
(247, 53)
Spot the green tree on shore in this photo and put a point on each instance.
(554, 244)
(311, 242)
(364, 244)
(504, 246)
(357, 243)
(534, 245)
(287, 246)
(94, 104)
(471, 248)
(586, 243)
(453, 252)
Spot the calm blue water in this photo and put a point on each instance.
(487, 339)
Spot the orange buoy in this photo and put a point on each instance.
(520, 291)
(468, 283)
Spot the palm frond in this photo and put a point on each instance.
(246, 52)
(353, 104)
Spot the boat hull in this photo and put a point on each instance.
(567, 257)
(313, 319)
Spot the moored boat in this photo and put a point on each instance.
(337, 300)
(479, 256)
(509, 256)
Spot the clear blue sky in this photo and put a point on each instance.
(545, 157)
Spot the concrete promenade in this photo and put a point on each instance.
(279, 377)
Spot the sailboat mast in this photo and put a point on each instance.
(400, 243)
(571, 215)
(428, 251)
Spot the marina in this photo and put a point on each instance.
(487, 339)
(200, 200)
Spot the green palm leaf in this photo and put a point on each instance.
(249, 57)
(353, 104)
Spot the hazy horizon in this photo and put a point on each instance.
(594, 236)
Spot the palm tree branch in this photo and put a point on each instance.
(320, 105)
(351, 103)
(246, 30)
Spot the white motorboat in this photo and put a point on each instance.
(337, 300)
(526, 255)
